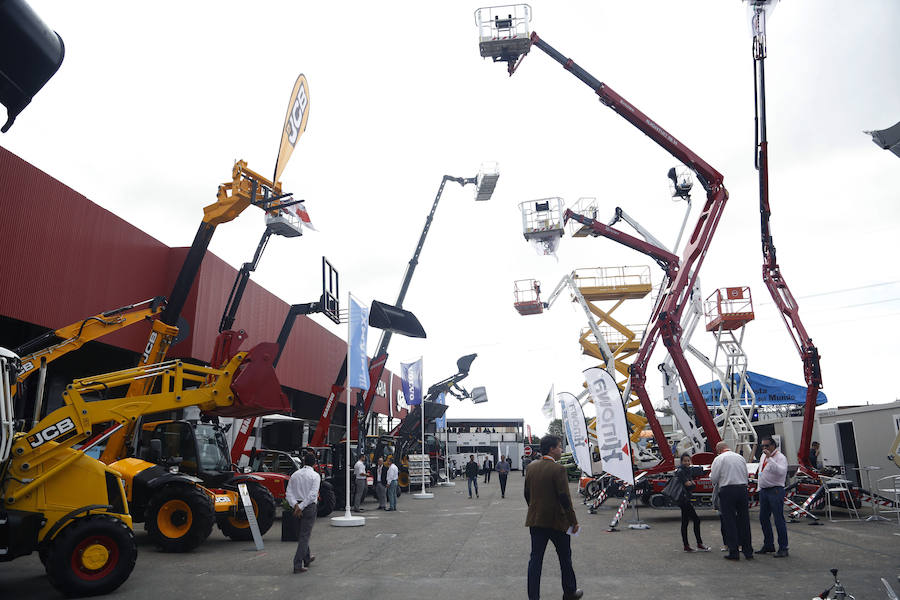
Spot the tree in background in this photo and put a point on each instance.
(556, 428)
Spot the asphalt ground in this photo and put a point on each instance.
(451, 547)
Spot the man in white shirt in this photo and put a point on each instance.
(393, 474)
(359, 469)
(303, 494)
(729, 474)
(772, 474)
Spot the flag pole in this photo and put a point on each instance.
(348, 520)
(426, 462)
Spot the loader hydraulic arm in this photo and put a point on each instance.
(35, 353)
(674, 297)
(181, 385)
(232, 198)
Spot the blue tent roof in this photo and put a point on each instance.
(769, 391)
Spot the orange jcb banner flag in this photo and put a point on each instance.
(294, 124)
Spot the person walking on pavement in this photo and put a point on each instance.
(551, 518)
(729, 472)
(772, 474)
(379, 476)
(472, 475)
(392, 475)
(487, 466)
(302, 494)
(685, 475)
(502, 474)
(360, 480)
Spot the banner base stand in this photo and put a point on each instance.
(638, 525)
(446, 483)
(346, 521)
(423, 495)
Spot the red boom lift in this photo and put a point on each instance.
(503, 45)
(771, 272)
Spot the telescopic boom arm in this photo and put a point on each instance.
(771, 272)
(674, 298)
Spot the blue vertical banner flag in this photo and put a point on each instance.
(358, 362)
(411, 379)
(441, 423)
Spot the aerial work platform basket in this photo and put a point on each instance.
(503, 33)
(286, 221)
(613, 283)
(486, 180)
(586, 207)
(542, 223)
(728, 308)
(528, 297)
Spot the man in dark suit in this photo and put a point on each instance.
(550, 516)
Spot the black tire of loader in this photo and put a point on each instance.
(264, 503)
(202, 516)
(327, 500)
(61, 561)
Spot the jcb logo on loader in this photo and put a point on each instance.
(149, 347)
(51, 432)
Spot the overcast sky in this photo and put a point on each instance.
(155, 101)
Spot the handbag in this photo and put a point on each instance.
(674, 490)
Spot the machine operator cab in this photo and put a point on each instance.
(202, 449)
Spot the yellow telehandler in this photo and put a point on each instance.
(72, 509)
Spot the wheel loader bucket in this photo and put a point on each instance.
(255, 386)
(30, 54)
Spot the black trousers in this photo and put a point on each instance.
(561, 541)
(502, 477)
(689, 514)
(734, 503)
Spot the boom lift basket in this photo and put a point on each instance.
(542, 223)
(503, 33)
(286, 221)
(486, 181)
(728, 308)
(528, 297)
(586, 207)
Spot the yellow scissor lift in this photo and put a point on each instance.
(614, 285)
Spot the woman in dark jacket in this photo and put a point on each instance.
(684, 475)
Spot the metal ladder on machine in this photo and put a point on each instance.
(729, 310)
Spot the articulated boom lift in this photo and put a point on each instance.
(680, 274)
(771, 272)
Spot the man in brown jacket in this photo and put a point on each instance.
(550, 516)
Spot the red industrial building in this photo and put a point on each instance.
(66, 258)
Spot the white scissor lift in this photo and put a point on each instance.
(728, 310)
